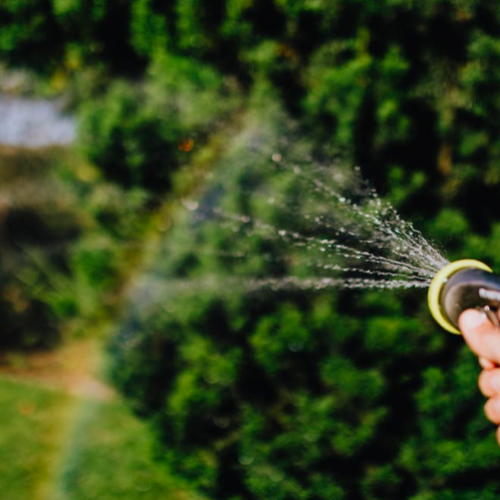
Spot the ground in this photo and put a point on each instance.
(62, 427)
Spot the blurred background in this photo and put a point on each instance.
(123, 124)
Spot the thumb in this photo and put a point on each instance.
(480, 334)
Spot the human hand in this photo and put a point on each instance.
(484, 340)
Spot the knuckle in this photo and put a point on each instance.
(481, 384)
(484, 383)
(492, 410)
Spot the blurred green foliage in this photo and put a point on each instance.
(340, 396)
(296, 394)
(138, 135)
(67, 241)
(406, 89)
(37, 217)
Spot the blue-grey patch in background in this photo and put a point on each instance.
(34, 123)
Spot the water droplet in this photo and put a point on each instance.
(245, 460)
(311, 436)
(276, 475)
(221, 422)
(296, 346)
(191, 205)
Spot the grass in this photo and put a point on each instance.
(59, 447)
(109, 458)
(33, 425)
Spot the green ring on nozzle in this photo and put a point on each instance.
(436, 287)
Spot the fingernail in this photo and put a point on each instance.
(486, 364)
(471, 319)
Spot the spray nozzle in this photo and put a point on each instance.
(461, 285)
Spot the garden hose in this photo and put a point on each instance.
(461, 285)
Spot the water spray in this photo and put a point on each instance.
(462, 285)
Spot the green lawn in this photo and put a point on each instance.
(58, 447)
(33, 427)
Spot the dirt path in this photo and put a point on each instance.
(71, 368)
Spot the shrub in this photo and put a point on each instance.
(39, 224)
(293, 394)
(139, 134)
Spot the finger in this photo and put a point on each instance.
(489, 382)
(486, 364)
(481, 335)
(492, 409)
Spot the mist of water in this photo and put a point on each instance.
(334, 232)
(315, 226)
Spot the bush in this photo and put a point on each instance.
(297, 394)
(139, 134)
(39, 224)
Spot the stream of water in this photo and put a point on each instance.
(338, 233)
